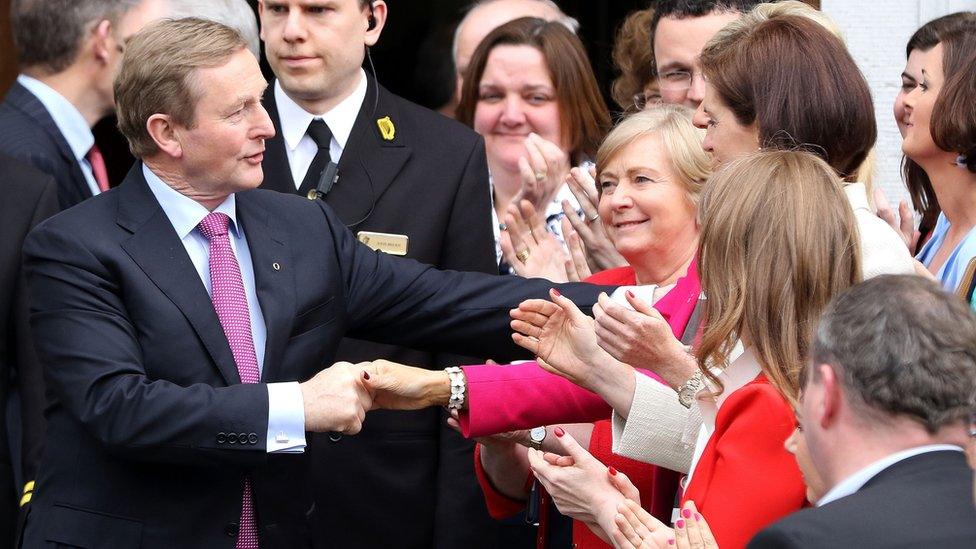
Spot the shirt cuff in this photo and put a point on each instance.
(286, 418)
(658, 430)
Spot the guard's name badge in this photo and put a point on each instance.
(393, 244)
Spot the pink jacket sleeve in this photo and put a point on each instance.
(521, 396)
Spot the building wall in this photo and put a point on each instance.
(876, 34)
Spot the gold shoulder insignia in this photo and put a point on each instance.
(387, 130)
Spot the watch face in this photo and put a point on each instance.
(537, 434)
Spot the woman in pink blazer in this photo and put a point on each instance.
(650, 169)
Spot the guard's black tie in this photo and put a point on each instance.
(319, 131)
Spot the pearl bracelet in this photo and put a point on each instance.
(459, 386)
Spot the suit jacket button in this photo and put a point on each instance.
(221, 438)
(232, 438)
(252, 438)
(231, 529)
(334, 436)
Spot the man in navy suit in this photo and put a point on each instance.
(29, 197)
(178, 316)
(403, 171)
(885, 414)
(69, 51)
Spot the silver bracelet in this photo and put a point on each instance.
(459, 385)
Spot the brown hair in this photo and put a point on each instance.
(954, 114)
(48, 34)
(682, 142)
(633, 56)
(583, 114)
(158, 74)
(778, 241)
(799, 84)
(919, 186)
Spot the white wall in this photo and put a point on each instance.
(876, 32)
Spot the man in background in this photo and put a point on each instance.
(408, 182)
(885, 413)
(29, 196)
(679, 30)
(69, 52)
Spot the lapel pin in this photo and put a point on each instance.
(276, 266)
(387, 129)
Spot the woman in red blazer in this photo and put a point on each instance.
(778, 241)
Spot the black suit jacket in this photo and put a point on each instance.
(30, 135)
(29, 196)
(143, 380)
(430, 183)
(923, 501)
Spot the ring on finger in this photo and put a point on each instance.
(523, 255)
(540, 176)
(592, 218)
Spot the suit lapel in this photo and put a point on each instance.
(273, 279)
(156, 248)
(30, 105)
(277, 170)
(369, 162)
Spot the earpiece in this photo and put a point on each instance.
(372, 19)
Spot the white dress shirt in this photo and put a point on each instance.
(856, 481)
(70, 123)
(294, 120)
(286, 412)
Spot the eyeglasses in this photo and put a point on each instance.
(643, 100)
(675, 80)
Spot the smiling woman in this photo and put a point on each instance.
(532, 76)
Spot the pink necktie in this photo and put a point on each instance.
(230, 302)
(97, 163)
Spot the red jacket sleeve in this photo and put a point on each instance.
(499, 505)
(745, 478)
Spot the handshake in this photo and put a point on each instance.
(337, 398)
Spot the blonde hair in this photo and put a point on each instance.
(778, 241)
(158, 74)
(772, 10)
(682, 142)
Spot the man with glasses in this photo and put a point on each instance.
(680, 29)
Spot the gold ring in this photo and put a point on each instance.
(540, 176)
(523, 255)
(594, 218)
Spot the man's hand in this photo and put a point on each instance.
(336, 399)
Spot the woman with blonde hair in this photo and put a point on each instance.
(778, 241)
(650, 169)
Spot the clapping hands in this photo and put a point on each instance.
(543, 169)
(561, 336)
(642, 338)
(635, 528)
